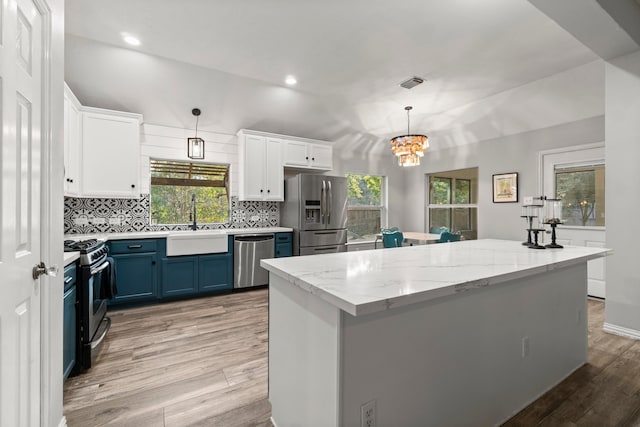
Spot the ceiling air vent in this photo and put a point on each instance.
(412, 82)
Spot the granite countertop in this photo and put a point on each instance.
(163, 234)
(371, 281)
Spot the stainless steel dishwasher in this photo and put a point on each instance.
(248, 250)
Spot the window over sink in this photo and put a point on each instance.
(174, 185)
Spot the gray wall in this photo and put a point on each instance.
(622, 152)
(515, 153)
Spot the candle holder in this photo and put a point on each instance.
(535, 244)
(528, 213)
(553, 217)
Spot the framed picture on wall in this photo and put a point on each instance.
(505, 188)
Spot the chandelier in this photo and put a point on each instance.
(409, 148)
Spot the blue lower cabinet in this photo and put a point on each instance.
(283, 245)
(137, 278)
(69, 323)
(215, 272)
(179, 275)
(189, 275)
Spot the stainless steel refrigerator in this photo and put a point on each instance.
(315, 206)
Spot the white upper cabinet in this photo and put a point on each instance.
(261, 175)
(72, 129)
(101, 151)
(110, 153)
(307, 155)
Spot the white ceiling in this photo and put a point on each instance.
(349, 57)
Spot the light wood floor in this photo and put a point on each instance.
(204, 362)
(195, 362)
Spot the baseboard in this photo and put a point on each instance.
(273, 422)
(622, 331)
(63, 422)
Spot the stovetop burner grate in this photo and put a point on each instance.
(83, 246)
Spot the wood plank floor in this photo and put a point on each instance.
(203, 362)
(193, 362)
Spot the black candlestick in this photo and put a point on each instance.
(535, 244)
(553, 244)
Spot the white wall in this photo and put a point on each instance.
(514, 153)
(164, 142)
(622, 153)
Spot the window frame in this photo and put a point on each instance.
(382, 208)
(199, 166)
(450, 206)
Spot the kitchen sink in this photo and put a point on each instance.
(197, 242)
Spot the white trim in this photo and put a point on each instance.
(286, 137)
(71, 96)
(579, 227)
(63, 422)
(621, 331)
(543, 153)
(48, 186)
(125, 114)
(273, 422)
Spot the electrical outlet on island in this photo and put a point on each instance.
(368, 414)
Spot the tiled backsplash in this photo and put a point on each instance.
(87, 215)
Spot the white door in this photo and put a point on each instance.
(581, 164)
(21, 79)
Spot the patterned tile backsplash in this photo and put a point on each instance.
(87, 215)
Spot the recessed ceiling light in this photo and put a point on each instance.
(129, 39)
(290, 80)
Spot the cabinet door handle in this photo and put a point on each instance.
(313, 158)
(68, 279)
(268, 191)
(71, 181)
(134, 246)
(306, 158)
(133, 186)
(153, 263)
(261, 190)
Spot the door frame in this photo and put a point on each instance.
(570, 149)
(596, 287)
(51, 212)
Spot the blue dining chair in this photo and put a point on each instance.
(438, 230)
(447, 236)
(392, 239)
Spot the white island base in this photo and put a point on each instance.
(473, 358)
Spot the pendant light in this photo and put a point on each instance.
(195, 145)
(409, 148)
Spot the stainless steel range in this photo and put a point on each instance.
(95, 285)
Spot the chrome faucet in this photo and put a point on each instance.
(192, 215)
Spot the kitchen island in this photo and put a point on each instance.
(464, 333)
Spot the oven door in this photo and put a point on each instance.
(99, 277)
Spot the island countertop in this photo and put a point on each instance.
(371, 281)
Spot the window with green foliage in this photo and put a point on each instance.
(581, 190)
(365, 206)
(174, 184)
(453, 202)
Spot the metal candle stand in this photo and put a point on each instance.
(553, 211)
(529, 213)
(528, 217)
